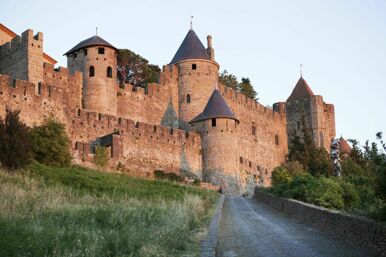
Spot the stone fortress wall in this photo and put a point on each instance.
(140, 127)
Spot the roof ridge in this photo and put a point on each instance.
(216, 107)
(91, 41)
(301, 90)
(190, 48)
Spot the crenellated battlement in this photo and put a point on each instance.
(54, 75)
(27, 38)
(128, 127)
(249, 104)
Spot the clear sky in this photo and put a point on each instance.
(341, 43)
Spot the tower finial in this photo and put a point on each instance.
(96, 31)
(191, 22)
(301, 70)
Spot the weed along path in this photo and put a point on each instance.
(249, 228)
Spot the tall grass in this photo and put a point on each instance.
(46, 215)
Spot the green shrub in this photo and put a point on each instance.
(280, 175)
(15, 146)
(159, 174)
(50, 143)
(101, 156)
(197, 182)
(325, 192)
(172, 176)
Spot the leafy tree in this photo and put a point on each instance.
(229, 80)
(136, 70)
(15, 146)
(50, 143)
(247, 89)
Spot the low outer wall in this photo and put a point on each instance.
(360, 229)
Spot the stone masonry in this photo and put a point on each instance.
(153, 129)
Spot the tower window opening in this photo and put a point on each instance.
(85, 51)
(120, 121)
(194, 66)
(241, 159)
(101, 50)
(109, 72)
(99, 116)
(155, 128)
(49, 91)
(277, 139)
(91, 71)
(213, 122)
(253, 130)
(250, 164)
(39, 88)
(188, 98)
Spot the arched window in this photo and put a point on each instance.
(109, 72)
(91, 71)
(188, 98)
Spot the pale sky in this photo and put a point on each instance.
(341, 44)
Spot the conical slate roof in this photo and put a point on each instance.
(215, 108)
(301, 90)
(92, 41)
(190, 48)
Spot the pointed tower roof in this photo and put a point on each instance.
(301, 90)
(215, 108)
(344, 147)
(190, 48)
(92, 41)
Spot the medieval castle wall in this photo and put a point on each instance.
(22, 58)
(262, 137)
(148, 129)
(318, 116)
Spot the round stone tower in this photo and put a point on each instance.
(97, 60)
(197, 76)
(217, 125)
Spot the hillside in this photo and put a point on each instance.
(46, 211)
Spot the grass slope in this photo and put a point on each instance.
(46, 211)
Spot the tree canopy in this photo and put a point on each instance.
(245, 86)
(135, 70)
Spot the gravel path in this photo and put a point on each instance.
(249, 228)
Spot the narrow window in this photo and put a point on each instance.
(250, 164)
(99, 116)
(187, 134)
(194, 66)
(39, 88)
(253, 130)
(171, 131)
(119, 121)
(91, 71)
(78, 112)
(213, 122)
(276, 139)
(101, 50)
(241, 159)
(85, 51)
(109, 72)
(188, 98)
(49, 91)
(155, 128)
(137, 124)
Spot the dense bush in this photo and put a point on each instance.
(15, 147)
(50, 143)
